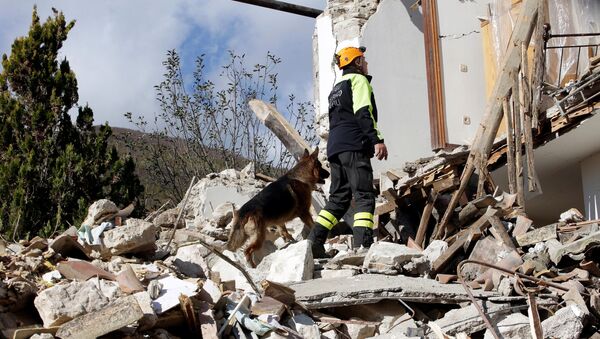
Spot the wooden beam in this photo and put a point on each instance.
(420, 238)
(498, 226)
(525, 104)
(285, 7)
(486, 132)
(437, 116)
(280, 127)
(510, 145)
(518, 142)
(539, 60)
(475, 228)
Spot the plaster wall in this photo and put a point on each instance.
(590, 178)
(462, 67)
(396, 55)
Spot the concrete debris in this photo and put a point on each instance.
(368, 288)
(168, 219)
(304, 325)
(136, 236)
(512, 326)
(537, 236)
(389, 257)
(468, 320)
(130, 284)
(570, 216)
(190, 261)
(292, 264)
(110, 318)
(223, 214)
(567, 323)
(360, 331)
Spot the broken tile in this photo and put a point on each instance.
(522, 226)
(82, 270)
(557, 251)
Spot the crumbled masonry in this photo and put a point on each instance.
(388, 291)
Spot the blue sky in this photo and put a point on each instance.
(116, 47)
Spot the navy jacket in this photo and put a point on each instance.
(352, 115)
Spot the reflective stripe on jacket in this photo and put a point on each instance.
(352, 115)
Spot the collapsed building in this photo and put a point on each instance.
(487, 225)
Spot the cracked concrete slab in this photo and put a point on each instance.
(370, 288)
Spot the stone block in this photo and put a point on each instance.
(136, 236)
(99, 209)
(304, 325)
(292, 264)
(190, 261)
(387, 255)
(150, 318)
(566, 323)
(223, 214)
(360, 331)
(435, 250)
(468, 320)
(168, 219)
(61, 303)
(108, 319)
(537, 236)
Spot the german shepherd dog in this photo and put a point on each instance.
(286, 198)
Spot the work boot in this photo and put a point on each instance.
(363, 236)
(317, 237)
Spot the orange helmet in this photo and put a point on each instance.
(345, 56)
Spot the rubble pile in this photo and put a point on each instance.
(114, 277)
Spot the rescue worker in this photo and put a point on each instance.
(353, 140)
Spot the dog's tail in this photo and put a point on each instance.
(237, 236)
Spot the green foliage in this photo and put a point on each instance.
(204, 128)
(50, 169)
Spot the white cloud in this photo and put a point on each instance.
(116, 47)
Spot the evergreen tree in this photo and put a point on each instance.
(51, 169)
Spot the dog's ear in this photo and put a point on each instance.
(306, 154)
(315, 153)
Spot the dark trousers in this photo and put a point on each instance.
(351, 175)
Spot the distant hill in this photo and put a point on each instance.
(135, 143)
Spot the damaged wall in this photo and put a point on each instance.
(392, 31)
